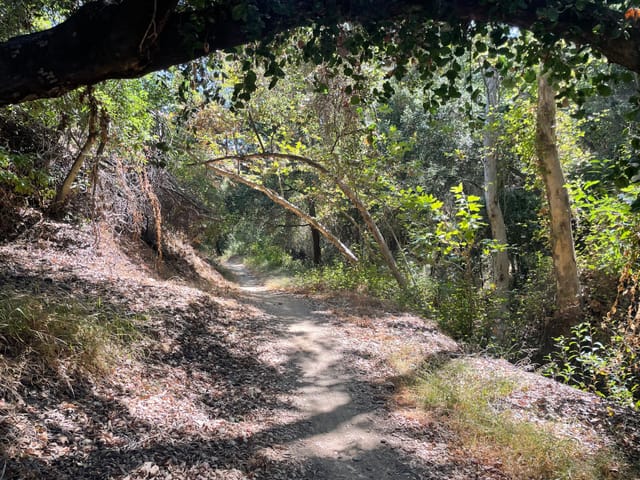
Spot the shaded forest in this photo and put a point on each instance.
(479, 173)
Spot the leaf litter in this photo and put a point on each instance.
(211, 389)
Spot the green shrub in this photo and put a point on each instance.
(458, 308)
(590, 361)
(19, 175)
(268, 257)
(364, 278)
(528, 306)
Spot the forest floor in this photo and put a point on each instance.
(237, 380)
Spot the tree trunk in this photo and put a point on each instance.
(63, 192)
(377, 235)
(315, 236)
(500, 259)
(562, 248)
(283, 202)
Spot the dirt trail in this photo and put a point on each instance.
(244, 383)
(230, 383)
(337, 434)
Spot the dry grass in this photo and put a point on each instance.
(406, 360)
(183, 260)
(464, 399)
(63, 332)
(280, 282)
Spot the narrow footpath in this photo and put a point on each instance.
(240, 381)
(342, 429)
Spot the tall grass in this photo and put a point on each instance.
(86, 336)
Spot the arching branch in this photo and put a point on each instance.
(283, 202)
(130, 38)
(349, 193)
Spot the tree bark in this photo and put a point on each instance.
(129, 38)
(500, 264)
(500, 259)
(63, 192)
(562, 247)
(283, 202)
(350, 194)
(315, 237)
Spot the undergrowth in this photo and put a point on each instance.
(264, 256)
(602, 354)
(82, 336)
(465, 400)
(607, 367)
(366, 279)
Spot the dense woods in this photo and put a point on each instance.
(474, 162)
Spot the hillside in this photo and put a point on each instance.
(224, 380)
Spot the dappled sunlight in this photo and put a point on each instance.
(257, 384)
(338, 426)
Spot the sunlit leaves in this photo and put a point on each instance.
(613, 225)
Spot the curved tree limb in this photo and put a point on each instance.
(129, 38)
(283, 202)
(349, 193)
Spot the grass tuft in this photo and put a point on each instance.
(86, 337)
(466, 400)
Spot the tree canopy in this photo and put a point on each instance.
(107, 39)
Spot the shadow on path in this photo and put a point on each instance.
(339, 432)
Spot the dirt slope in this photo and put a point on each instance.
(235, 382)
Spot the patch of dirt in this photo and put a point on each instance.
(240, 382)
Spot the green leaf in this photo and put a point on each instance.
(604, 89)
(530, 76)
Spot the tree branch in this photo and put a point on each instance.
(349, 193)
(130, 38)
(283, 202)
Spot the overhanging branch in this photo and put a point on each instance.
(130, 38)
(349, 193)
(283, 202)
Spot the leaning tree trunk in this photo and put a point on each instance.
(350, 194)
(283, 202)
(375, 232)
(63, 192)
(369, 221)
(562, 247)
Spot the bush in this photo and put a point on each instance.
(590, 361)
(20, 175)
(266, 256)
(459, 308)
(529, 306)
(364, 278)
